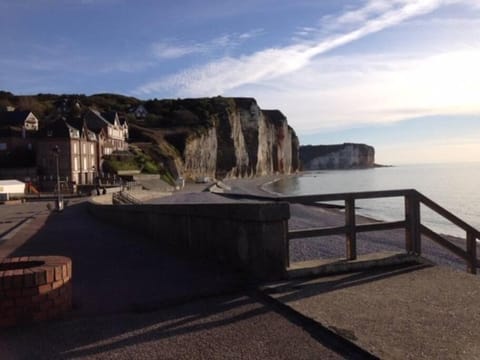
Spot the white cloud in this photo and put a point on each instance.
(227, 73)
(169, 50)
(251, 34)
(319, 92)
(163, 50)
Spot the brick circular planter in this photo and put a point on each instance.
(34, 288)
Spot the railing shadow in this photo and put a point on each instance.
(308, 287)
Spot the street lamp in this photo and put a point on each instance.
(59, 203)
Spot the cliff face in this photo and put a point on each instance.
(240, 140)
(343, 156)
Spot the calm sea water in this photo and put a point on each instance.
(456, 187)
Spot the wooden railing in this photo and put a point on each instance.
(414, 229)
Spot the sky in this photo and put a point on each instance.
(401, 75)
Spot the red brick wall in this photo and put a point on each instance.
(34, 288)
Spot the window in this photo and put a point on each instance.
(92, 151)
(84, 163)
(75, 148)
(75, 163)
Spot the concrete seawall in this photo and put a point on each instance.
(251, 236)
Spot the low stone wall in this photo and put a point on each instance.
(251, 236)
(34, 288)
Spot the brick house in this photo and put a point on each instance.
(78, 149)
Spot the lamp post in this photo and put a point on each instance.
(59, 203)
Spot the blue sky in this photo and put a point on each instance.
(401, 75)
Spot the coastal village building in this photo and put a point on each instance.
(22, 119)
(82, 145)
(112, 131)
(18, 131)
(77, 154)
(140, 112)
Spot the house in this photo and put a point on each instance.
(17, 138)
(140, 112)
(22, 119)
(76, 147)
(111, 130)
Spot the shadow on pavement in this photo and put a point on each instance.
(115, 270)
(309, 287)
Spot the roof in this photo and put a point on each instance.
(58, 129)
(11, 182)
(80, 125)
(15, 118)
(95, 121)
(110, 116)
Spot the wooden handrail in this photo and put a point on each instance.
(440, 240)
(307, 199)
(448, 215)
(412, 223)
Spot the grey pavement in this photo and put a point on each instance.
(403, 312)
(234, 327)
(16, 224)
(116, 270)
(134, 299)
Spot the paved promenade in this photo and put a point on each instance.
(404, 312)
(134, 299)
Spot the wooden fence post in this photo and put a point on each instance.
(351, 235)
(412, 217)
(471, 253)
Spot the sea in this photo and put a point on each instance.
(456, 187)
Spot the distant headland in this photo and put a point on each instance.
(338, 156)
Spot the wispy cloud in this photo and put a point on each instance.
(320, 92)
(228, 73)
(164, 50)
(173, 49)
